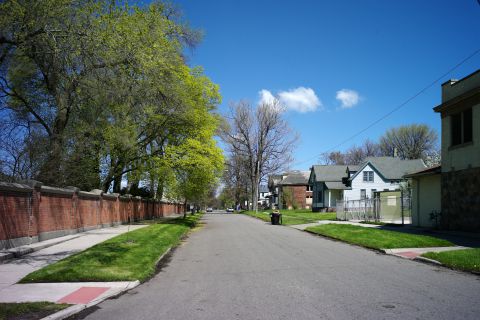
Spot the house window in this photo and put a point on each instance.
(461, 127)
(367, 176)
(373, 193)
(309, 188)
(363, 194)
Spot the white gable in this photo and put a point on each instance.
(358, 184)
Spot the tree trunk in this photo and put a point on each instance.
(117, 183)
(51, 171)
(159, 193)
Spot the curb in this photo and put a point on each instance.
(23, 250)
(382, 251)
(70, 311)
(427, 260)
(162, 256)
(5, 256)
(439, 264)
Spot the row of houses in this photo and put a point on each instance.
(320, 188)
(447, 195)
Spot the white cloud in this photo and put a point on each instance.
(348, 98)
(266, 97)
(300, 99)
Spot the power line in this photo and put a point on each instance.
(396, 108)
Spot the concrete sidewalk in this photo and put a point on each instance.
(13, 270)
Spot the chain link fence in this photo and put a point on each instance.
(388, 207)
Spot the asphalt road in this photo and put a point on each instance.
(236, 267)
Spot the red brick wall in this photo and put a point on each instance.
(16, 225)
(54, 212)
(30, 212)
(298, 193)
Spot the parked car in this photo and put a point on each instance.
(209, 210)
(229, 209)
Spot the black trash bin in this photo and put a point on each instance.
(276, 217)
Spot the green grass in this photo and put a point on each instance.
(376, 238)
(127, 257)
(466, 259)
(290, 217)
(29, 310)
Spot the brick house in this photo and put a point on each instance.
(460, 166)
(294, 191)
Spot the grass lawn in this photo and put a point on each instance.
(376, 238)
(289, 217)
(466, 259)
(127, 257)
(29, 310)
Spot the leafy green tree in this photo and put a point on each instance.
(108, 89)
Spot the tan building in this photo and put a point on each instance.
(460, 169)
(426, 197)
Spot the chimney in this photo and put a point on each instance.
(446, 93)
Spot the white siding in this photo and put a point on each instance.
(378, 184)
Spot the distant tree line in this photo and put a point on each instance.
(415, 141)
(94, 94)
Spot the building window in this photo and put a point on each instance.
(309, 188)
(363, 194)
(367, 176)
(373, 193)
(461, 127)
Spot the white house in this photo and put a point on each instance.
(263, 196)
(379, 174)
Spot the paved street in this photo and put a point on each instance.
(236, 267)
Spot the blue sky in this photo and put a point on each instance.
(380, 53)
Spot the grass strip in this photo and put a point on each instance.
(465, 259)
(127, 257)
(377, 238)
(29, 310)
(292, 217)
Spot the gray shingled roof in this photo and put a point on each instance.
(429, 171)
(330, 172)
(296, 178)
(335, 185)
(394, 168)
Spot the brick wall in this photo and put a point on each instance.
(461, 200)
(31, 213)
(298, 195)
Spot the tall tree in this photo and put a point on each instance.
(413, 141)
(106, 86)
(262, 137)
